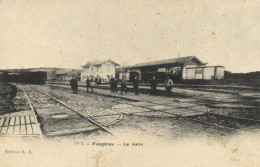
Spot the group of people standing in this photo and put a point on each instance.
(115, 81)
(154, 82)
(74, 85)
(168, 85)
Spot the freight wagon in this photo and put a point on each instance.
(38, 77)
(203, 73)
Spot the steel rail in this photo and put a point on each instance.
(187, 118)
(235, 117)
(84, 115)
(178, 115)
(124, 98)
(33, 111)
(207, 112)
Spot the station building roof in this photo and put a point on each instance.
(99, 63)
(177, 61)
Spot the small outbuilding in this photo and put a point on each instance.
(161, 68)
(182, 68)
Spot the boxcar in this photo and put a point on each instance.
(38, 77)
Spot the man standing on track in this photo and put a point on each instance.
(168, 86)
(74, 85)
(112, 82)
(153, 85)
(115, 85)
(89, 85)
(123, 85)
(136, 85)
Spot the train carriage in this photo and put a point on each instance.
(38, 77)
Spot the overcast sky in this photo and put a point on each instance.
(68, 33)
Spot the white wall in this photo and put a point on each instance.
(209, 73)
(108, 69)
(190, 74)
(220, 72)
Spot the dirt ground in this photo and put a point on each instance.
(137, 138)
(168, 129)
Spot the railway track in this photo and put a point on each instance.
(248, 117)
(89, 116)
(179, 116)
(193, 120)
(85, 115)
(209, 112)
(228, 119)
(32, 109)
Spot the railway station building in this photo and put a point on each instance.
(99, 69)
(179, 69)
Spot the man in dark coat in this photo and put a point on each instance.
(168, 85)
(123, 85)
(112, 82)
(154, 83)
(115, 85)
(89, 85)
(136, 85)
(74, 85)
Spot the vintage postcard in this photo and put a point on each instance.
(129, 83)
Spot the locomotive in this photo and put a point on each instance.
(37, 77)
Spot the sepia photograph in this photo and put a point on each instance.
(129, 83)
